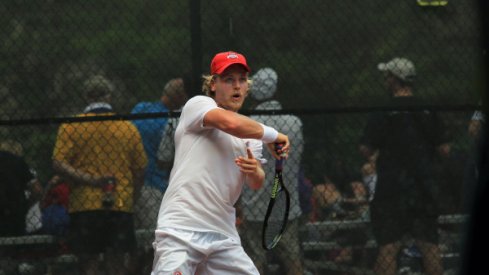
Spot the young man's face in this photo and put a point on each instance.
(231, 88)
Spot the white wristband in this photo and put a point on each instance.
(269, 134)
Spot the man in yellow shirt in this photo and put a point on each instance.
(104, 162)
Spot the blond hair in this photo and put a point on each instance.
(206, 85)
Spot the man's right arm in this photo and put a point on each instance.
(244, 127)
(74, 175)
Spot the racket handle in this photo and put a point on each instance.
(279, 162)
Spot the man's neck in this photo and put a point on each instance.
(406, 91)
(165, 100)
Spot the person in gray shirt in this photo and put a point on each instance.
(254, 202)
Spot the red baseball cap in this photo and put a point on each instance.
(225, 59)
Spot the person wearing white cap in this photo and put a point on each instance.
(400, 67)
(264, 84)
(254, 202)
(405, 197)
(217, 152)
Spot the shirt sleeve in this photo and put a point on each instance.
(256, 147)
(194, 111)
(138, 108)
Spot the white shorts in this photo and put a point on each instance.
(184, 252)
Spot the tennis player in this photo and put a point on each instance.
(217, 151)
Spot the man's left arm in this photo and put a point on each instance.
(252, 168)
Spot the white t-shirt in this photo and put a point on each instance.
(205, 182)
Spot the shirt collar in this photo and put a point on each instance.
(269, 105)
(97, 105)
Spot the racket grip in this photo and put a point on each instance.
(279, 162)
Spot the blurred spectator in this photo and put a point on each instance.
(475, 236)
(57, 191)
(103, 161)
(369, 175)
(154, 131)
(255, 202)
(166, 149)
(476, 124)
(33, 218)
(405, 192)
(305, 194)
(451, 175)
(15, 176)
(326, 200)
(54, 207)
(342, 197)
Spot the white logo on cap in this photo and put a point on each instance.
(232, 56)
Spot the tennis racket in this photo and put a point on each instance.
(278, 209)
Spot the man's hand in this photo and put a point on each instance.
(74, 175)
(252, 168)
(248, 165)
(284, 151)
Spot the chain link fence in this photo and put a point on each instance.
(324, 56)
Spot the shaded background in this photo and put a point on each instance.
(325, 53)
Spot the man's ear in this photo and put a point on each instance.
(213, 84)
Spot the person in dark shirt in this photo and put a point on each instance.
(407, 141)
(15, 176)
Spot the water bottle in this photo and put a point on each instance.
(108, 196)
